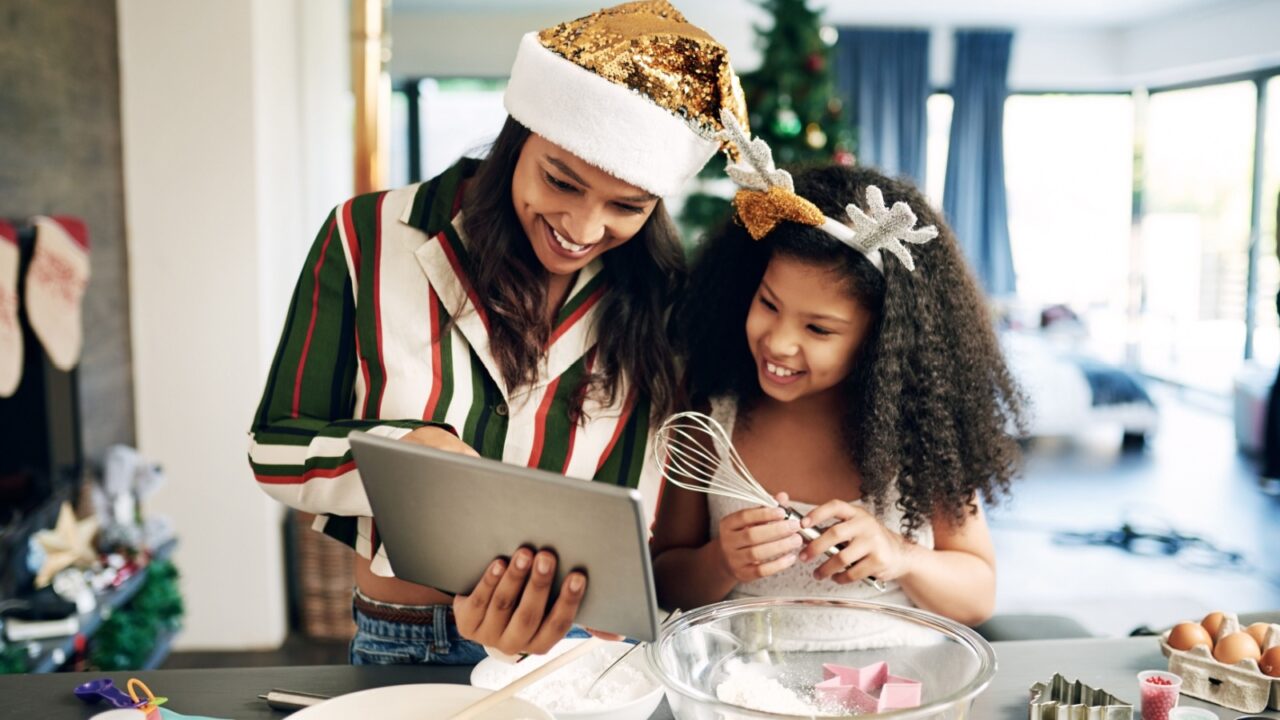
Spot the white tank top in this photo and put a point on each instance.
(798, 579)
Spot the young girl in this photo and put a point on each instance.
(867, 391)
(467, 313)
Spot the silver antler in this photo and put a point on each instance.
(887, 229)
(758, 172)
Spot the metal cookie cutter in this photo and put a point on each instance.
(1059, 699)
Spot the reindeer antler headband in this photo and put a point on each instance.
(767, 196)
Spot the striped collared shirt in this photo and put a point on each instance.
(368, 345)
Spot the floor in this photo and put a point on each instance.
(1189, 479)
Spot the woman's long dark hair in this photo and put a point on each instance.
(643, 276)
(930, 402)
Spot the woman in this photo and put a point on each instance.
(465, 314)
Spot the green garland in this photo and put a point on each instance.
(13, 660)
(126, 639)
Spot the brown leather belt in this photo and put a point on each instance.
(409, 615)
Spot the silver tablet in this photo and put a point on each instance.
(444, 517)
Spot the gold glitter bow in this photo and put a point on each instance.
(767, 197)
(649, 47)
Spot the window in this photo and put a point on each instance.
(456, 117)
(1266, 335)
(1198, 164)
(460, 116)
(1069, 178)
(938, 110)
(398, 162)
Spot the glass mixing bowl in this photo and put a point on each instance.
(759, 657)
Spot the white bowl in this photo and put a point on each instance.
(416, 702)
(492, 673)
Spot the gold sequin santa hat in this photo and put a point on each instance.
(634, 90)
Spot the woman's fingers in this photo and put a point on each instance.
(469, 610)
(527, 618)
(505, 596)
(558, 622)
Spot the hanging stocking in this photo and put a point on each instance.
(10, 331)
(56, 282)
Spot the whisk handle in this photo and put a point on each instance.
(811, 534)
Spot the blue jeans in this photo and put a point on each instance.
(379, 642)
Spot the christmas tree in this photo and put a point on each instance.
(792, 102)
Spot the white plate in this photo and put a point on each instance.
(494, 673)
(417, 702)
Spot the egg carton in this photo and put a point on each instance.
(1241, 686)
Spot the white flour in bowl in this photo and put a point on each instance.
(752, 687)
(750, 691)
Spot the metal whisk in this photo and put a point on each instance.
(690, 446)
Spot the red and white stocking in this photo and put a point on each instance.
(56, 281)
(10, 331)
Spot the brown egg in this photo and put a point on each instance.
(1236, 647)
(1187, 635)
(1270, 662)
(1212, 622)
(1258, 631)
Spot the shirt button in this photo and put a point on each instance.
(501, 409)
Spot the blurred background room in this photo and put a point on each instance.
(1111, 168)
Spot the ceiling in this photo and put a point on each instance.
(1073, 13)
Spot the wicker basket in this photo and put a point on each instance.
(325, 574)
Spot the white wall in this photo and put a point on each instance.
(484, 45)
(1228, 38)
(1196, 44)
(216, 161)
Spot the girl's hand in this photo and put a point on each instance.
(437, 437)
(507, 610)
(870, 548)
(758, 542)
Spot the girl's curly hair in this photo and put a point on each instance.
(931, 402)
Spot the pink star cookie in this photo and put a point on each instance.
(869, 689)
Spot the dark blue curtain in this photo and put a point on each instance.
(884, 74)
(974, 196)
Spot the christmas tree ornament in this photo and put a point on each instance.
(56, 281)
(68, 544)
(830, 36)
(814, 137)
(815, 63)
(10, 330)
(844, 157)
(834, 106)
(786, 123)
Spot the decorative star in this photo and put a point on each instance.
(885, 229)
(869, 689)
(68, 544)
